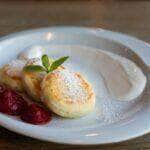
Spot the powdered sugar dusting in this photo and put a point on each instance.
(14, 68)
(73, 89)
(34, 61)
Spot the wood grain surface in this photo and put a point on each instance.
(130, 17)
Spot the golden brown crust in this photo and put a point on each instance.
(13, 82)
(31, 82)
(56, 98)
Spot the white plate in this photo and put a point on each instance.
(87, 130)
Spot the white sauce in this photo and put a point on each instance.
(29, 56)
(114, 75)
(124, 79)
(32, 52)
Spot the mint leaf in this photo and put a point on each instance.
(46, 62)
(57, 63)
(34, 68)
(51, 60)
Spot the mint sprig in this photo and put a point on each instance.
(49, 64)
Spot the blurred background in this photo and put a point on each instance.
(127, 16)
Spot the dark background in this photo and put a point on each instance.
(128, 16)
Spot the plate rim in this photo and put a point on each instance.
(96, 31)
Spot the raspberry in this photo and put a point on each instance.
(11, 102)
(2, 89)
(35, 114)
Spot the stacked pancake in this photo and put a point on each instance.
(64, 92)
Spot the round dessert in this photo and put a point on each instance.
(32, 80)
(67, 94)
(10, 75)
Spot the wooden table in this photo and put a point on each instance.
(131, 17)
